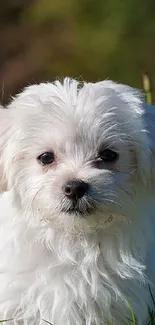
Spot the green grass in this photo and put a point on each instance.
(6, 320)
(147, 88)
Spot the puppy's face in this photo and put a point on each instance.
(72, 155)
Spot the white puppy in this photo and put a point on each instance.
(77, 219)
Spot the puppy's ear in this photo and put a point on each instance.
(5, 134)
(148, 164)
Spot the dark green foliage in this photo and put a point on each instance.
(41, 40)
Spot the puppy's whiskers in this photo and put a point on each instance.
(114, 202)
(36, 194)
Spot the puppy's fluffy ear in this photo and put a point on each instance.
(5, 134)
(149, 154)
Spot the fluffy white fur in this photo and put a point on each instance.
(61, 267)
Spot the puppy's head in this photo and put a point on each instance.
(72, 155)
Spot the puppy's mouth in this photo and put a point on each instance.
(79, 209)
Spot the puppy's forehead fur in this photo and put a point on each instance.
(97, 110)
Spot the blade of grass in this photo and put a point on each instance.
(147, 88)
(151, 315)
(5, 320)
(133, 318)
(47, 322)
(151, 294)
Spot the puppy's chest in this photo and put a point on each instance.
(80, 289)
(80, 285)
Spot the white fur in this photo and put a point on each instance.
(62, 268)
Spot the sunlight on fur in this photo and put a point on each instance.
(77, 204)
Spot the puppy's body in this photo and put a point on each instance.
(67, 263)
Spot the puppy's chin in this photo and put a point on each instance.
(75, 222)
(88, 216)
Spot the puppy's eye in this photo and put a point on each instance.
(108, 156)
(46, 158)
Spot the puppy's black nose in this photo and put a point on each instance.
(75, 189)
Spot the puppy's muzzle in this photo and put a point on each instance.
(75, 189)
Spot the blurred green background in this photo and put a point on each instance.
(89, 39)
